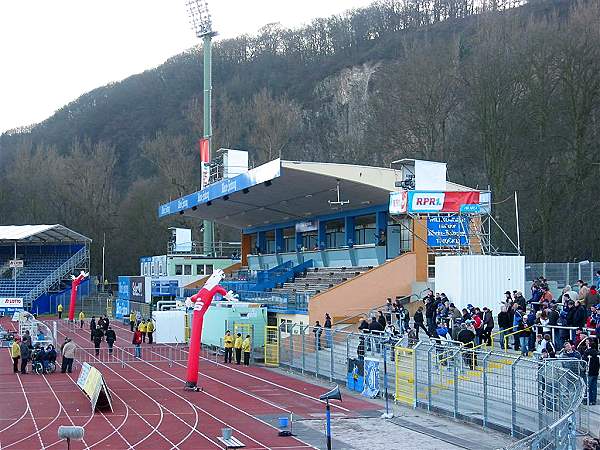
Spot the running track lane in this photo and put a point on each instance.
(178, 421)
(290, 394)
(245, 426)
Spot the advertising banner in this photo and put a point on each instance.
(308, 225)
(121, 308)
(260, 174)
(431, 202)
(93, 385)
(371, 374)
(356, 374)
(138, 289)
(124, 288)
(11, 302)
(447, 231)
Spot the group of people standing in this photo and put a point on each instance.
(102, 330)
(241, 346)
(22, 350)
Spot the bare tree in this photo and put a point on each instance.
(275, 123)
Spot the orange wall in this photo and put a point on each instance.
(366, 291)
(246, 240)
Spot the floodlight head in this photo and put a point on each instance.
(200, 17)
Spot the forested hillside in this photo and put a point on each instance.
(508, 93)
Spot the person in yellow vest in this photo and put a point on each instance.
(228, 344)
(132, 320)
(246, 350)
(149, 330)
(15, 354)
(59, 309)
(81, 319)
(238, 348)
(142, 329)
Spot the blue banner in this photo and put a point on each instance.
(121, 308)
(356, 374)
(371, 383)
(447, 231)
(124, 288)
(260, 174)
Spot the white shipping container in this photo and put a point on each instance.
(480, 280)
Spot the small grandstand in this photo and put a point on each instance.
(36, 262)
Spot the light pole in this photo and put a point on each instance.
(202, 24)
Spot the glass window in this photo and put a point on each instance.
(199, 269)
(364, 230)
(187, 269)
(208, 269)
(334, 230)
(178, 269)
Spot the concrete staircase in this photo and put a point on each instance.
(319, 279)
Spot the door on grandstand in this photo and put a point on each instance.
(272, 346)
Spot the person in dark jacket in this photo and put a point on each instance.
(430, 309)
(328, 335)
(419, 322)
(111, 337)
(381, 320)
(25, 355)
(98, 335)
(467, 337)
(553, 315)
(105, 324)
(376, 329)
(580, 315)
(504, 323)
(524, 334)
(488, 326)
(318, 330)
(92, 328)
(520, 300)
(592, 357)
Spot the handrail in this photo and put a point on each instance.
(506, 336)
(64, 268)
(376, 308)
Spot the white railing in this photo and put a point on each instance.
(68, 266)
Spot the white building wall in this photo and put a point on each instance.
(480, 280)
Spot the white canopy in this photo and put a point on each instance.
(40, 234)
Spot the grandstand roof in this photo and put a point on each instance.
(41, 234)
(282, 191)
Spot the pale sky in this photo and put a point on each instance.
(52, 51)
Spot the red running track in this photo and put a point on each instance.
(151, 409)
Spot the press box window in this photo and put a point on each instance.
(188, 269)
(178, 269)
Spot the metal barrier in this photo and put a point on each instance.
(521, 396)
(155, 353)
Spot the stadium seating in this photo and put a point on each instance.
(39, 263)
(318, 280)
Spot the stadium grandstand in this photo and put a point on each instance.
(36, 261)
(339, 238)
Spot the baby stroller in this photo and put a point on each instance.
(40, 363)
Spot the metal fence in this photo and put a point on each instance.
(563, 273)
(526, 397)
(127, 355)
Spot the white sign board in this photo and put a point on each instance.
(430, 176)
(15, 263)
(480, 280)
(169, 327)
(11, 302)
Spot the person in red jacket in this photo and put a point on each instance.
(137, 342)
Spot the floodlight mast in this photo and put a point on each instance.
(201, 22)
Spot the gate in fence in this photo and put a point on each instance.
(404, 365)
(272, 346)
